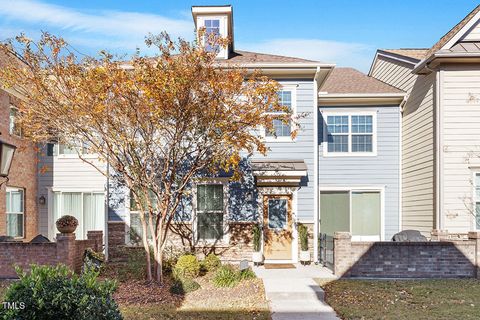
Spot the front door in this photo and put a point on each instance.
(277, 221)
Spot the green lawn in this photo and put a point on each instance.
(405, 299)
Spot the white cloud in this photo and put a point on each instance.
(110, 28)
(354, 55)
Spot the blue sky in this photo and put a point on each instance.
(340, 31)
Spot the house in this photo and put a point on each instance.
(440, 128)
(340, 173)
(18, 194)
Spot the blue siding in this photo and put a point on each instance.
(302, 148)
(380, 170)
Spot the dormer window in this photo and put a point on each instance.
(216, 20)
(212, 26)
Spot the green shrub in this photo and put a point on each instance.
(257, 235)
(226, 276)
(247, 274)
(56, 293)
(170, 258)
(184, 285)
(135, 266)
(187, 267)
(303, 235)
(211, 262)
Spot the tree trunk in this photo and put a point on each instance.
(146, 247)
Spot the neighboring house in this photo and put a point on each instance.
(340, 173)
(18, 202)
(441, 128)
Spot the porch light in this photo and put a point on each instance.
(6, 156)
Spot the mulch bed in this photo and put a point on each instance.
(141, 292)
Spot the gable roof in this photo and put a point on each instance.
(421, 54)
(450, 34)
(352, 81)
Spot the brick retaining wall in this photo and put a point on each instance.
(65, 250)
(429, 259)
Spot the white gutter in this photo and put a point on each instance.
(399, 95)
(316, 205)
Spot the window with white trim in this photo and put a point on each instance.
(356, 211)
(476, 202)
(15, 212)
(210, 211)
(350, 134)
(282, 128)
(14, 128)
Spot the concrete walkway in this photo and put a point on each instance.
(293, 294)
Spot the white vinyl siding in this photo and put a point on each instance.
(473, 34)
(15, 205)
(460, 152)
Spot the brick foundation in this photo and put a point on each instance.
(66, 250)
(429, 259)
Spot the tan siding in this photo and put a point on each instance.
(474, 34)
(460, 90)
(418, 153)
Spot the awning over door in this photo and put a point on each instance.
(279, 172)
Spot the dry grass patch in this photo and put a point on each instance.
(404, 299)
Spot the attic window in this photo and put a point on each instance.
(212, 26)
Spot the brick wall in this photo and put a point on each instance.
(65, 250)
(23, 173)
(429, 259)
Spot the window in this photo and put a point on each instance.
(136, 231)
(67, 150)
(277, 214)
(350, 134)
(355, 211)
(282, 128)
(210, 212)
(15, 212)
(477, 199)
(87, 207)
(14, 128)
(212, 26)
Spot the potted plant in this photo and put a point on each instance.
(67, 224)
(257, 256)
(303, 235)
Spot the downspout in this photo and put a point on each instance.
(315, 167)
(400, 166)
(107, 203)
(439, 151)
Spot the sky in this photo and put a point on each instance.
(343, 32)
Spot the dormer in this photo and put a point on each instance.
(216, 19)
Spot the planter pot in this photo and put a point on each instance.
(257, 257)
(304, 256)
(66, 229)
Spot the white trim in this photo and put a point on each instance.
(211, 9)
(316, 206)
(226, 194)
(293, 90)
(22, 213)
(287, 191)
(351, 113)
(325, 94)
(222, 27)
(365, 188)
(439, 151)
(400, 170)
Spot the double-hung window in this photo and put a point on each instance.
(212, 32)
(210, 212)
(352, 134)
(15, 212)
(282, 129)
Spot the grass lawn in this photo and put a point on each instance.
(404, 299)
(245, 301)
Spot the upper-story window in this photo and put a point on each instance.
(14, 128)
(282, 129)
(212, 27)
(350, 134)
